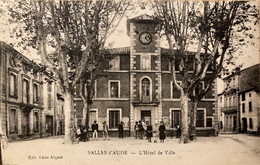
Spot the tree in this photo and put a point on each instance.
(207, 26)
(67, 35)
(87, 81)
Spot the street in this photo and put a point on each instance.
(226, 149)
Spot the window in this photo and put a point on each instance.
(49, 87)
(199, 88)
(35, 93)
(36, 121)
(114, 118)
(243, 96)
(250, 123)
(200, 118)
(243, 107)
(175, 93)
(250, 106)
(146, 90)
(115, 63)
(94, 90)
(13, 121)
(25, 91)
(234, 101)
(145, 62)
(220, 99)
(79, 122)
(209, 122)
(249, 94)
(176, 118)
(191, 63)
(230, 102)
(114, 87)
(13, 85)
(49, 101)
(177, 64)
(92, 116)
(226, 104)
(49, 96)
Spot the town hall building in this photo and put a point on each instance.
(139, 86)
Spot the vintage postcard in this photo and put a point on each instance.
(129, 82)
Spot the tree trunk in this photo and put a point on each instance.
(184, 118)
(87, 115)
(84, 113)
(193, 115)
(69, 118)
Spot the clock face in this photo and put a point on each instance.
(145, 38)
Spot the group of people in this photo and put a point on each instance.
(82, 134)
(141, 128)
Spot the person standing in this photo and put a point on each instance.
(141, 129)
(95, 129)
(84, 134)
(161, 132)
(78, 134)
(149, 132)
(105, 130)
(121, 130)
(144, 128)
(178, 134)
(136, 129)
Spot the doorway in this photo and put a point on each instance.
(49, 125)
(26, 123)
(234, 123)
(146, 115)
(244, 121)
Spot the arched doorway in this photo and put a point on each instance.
(244, 122)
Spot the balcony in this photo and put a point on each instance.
(230, 109)
(155, 101)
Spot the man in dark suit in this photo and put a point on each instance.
(121, 129)
(95, 129)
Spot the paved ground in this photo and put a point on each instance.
(238, 149)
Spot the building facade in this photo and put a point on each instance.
(139, 85)
(249, 96)
(29, 103)
(238, 103)
(229, 103)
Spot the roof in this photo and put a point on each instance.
(249, 78)
(126, 50)
(11, 49)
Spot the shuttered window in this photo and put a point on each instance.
(13, 121)
(114, 119)
(200, 118)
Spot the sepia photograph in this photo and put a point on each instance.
(120, 82)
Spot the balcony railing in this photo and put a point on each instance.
(147, 100)
(229, 109)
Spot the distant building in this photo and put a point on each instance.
(229, 104)
(139, 86)
(249, 93)
(239, 102)
(29, 105)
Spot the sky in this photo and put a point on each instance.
(119, 38)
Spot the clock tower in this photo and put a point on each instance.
(145, 70)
